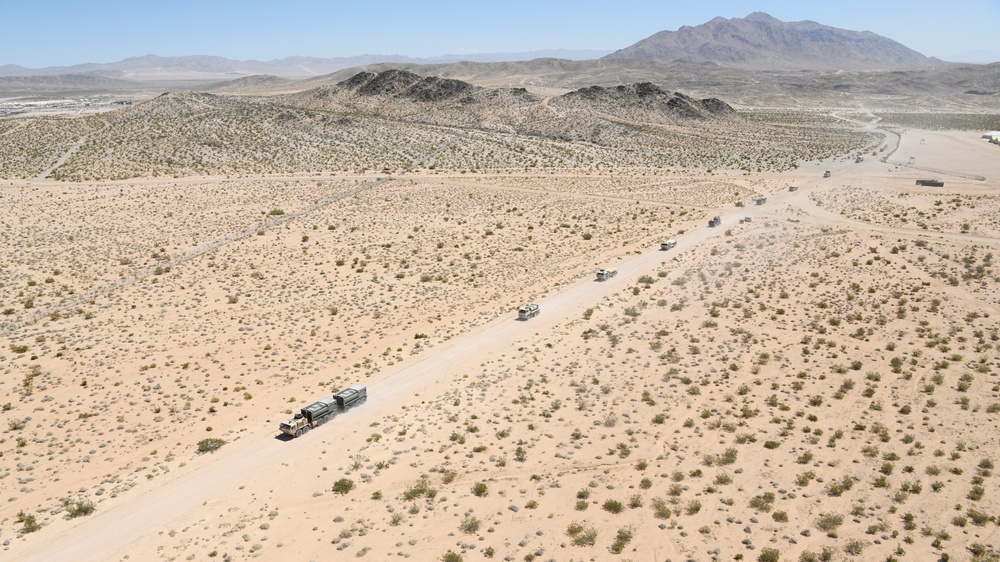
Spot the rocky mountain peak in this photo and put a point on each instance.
(762, 42)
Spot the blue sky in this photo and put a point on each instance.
(41, 33)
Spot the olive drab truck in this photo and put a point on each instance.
(313, 415)
(323, 410)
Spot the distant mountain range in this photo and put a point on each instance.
(152, 67)
(761, 42)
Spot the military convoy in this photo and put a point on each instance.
(324, 409)
(528, 311)
(668, 244)
(930, 183)
(605, 274)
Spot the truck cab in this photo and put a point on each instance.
(668, 244)
(295, 426)
(605, 274)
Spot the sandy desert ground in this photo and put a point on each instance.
(818, 383)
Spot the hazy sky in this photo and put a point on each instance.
(39, 33)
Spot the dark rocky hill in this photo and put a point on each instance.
(654, 103)
(760, 41)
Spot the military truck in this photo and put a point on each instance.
(760, 200)
(528, 311)
(323, 410)
(715, 221)
(605, 274)
(668, 244)
(793, 188)
(313, 415)
(826, 174)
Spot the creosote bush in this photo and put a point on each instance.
(210, 445)
(78, 508)
(343, 486)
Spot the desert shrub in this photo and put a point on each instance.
(613, 506)
(343, 486)
(581, 536)
(480, 490)
(828, 522)
(469, 525)
(448, 476)
(78, 508)
(979, 518)
(621, 539)
(29, 523)
(421, 488)
(451, 557)
(210, 445)
(837, 488)
(854, 547)
(763, 502)
(660, 509)
(804, 478)
(769, 555)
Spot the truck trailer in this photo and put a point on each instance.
(352, 396)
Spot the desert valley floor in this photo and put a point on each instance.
(817, 378)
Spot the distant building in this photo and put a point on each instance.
(992, 136)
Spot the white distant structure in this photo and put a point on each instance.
(992, 136)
